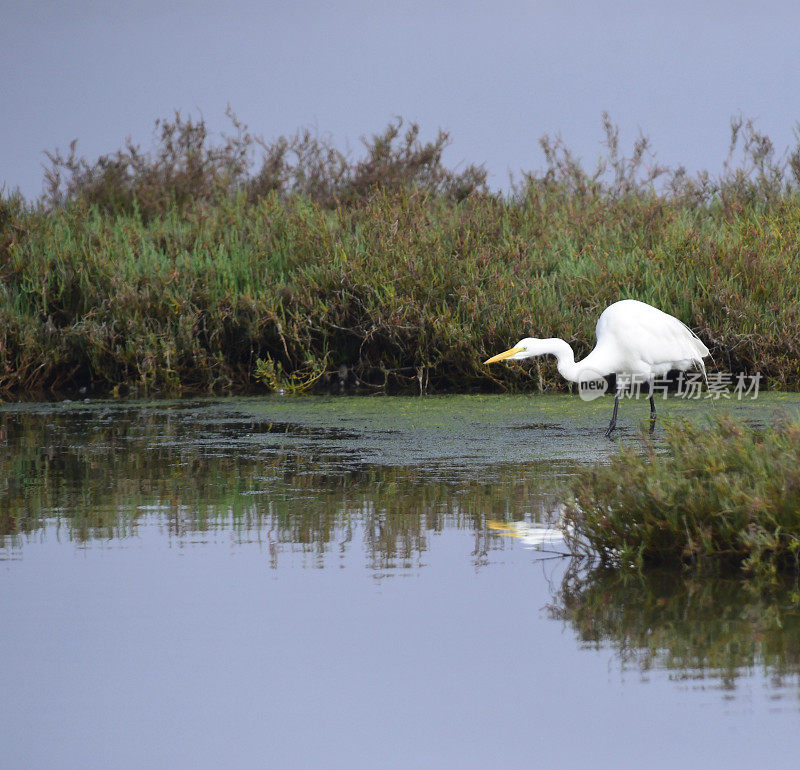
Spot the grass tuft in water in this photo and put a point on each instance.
(724, 492)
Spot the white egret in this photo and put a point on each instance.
(635, 341)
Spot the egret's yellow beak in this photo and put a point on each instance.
(501, 356)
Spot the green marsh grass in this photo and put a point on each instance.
(724, 493)
(185, 270)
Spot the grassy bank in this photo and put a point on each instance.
(184, 271)
(725, 493)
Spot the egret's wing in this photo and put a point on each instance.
(643, 332)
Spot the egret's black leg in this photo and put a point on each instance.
(613, 423)
(652, 409)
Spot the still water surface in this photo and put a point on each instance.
(355, 582)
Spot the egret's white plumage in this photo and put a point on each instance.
(635, 341)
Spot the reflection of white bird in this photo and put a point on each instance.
(635, 341)
(533, 534)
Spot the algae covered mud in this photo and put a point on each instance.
(360, 581)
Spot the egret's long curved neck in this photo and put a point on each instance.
(568, 368)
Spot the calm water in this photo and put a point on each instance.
(355, 582)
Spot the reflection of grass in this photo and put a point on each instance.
(696, 627)
(724, 491)
(98, 475)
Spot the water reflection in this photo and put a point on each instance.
(97, 473)
(377, 487)
(710, 630)
(546, 536)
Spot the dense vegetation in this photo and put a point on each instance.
(194, 267)
(725, 493)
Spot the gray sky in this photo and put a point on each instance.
(497, 74)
